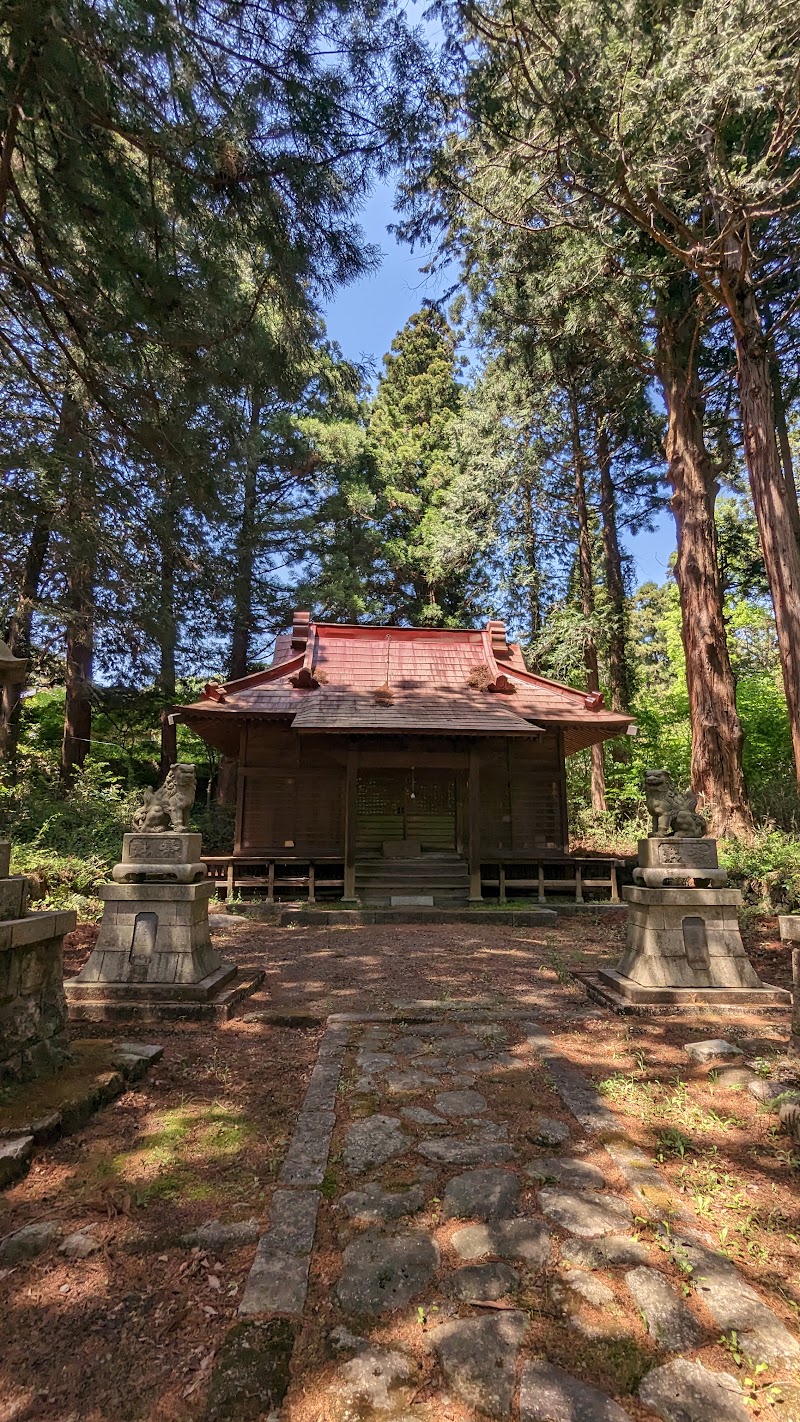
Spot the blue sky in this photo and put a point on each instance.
(364, 318)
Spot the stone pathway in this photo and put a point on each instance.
(460, 1230)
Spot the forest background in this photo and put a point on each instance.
(612, 197)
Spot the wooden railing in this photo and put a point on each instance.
(236, 874)
(323, 877)
(577, 876)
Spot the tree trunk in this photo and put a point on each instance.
(531, 554)
(80, 569)
(244, 561)
(782, 430)
(615, 583)
(717, 738)
(18, 633)
(597, 778)
(771, 500)
(167, 630)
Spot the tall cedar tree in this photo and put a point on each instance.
(683, 122)
(163, 173)
(411, 439)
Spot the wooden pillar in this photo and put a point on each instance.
(474, 825)
(351, 802)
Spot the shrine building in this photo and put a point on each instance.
(381, 763)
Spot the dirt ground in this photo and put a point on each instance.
(131, 1332)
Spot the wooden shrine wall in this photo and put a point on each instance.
(291, 797)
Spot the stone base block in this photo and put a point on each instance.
(153, 934)
(215, 996)
(612, 989)
(685, 938)
(789, 926)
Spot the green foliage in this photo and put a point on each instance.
(766, 868)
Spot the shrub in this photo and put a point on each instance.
(766, 868)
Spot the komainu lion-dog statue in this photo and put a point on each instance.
(168, 807)
(673, 813)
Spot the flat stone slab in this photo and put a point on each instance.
(566, 1170)
(735, 1305)
(523, 1238)
(374, 1377)
(382, 1274)
(549, 1394)
(481, 1195)
(448, 1150)
(460, 1103)
(215, 1235)
(372, 1142)
(610, 1249)
(587, 1215)
(714, 1050)
(15, 1157)
(293, 1221)
(251, 1375)
(482, 1281)
(409, 1083)
(582, 1285)
(375, 1205)
(734, 1078)
(669, 1321)
(479, 1358)
(687, 1392)
(307, 1157)
(421, 1116)
(277, 1283)
(766, 1089)
(29, 1241)
(546, 1132)
(79, 1245)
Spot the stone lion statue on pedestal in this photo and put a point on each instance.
(168, 807)
(674, 813)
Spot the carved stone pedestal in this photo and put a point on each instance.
(684, 946)
(33, 1013)
(154, 956)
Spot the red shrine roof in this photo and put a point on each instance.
(349, 679)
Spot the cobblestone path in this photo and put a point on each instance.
(461, 1231)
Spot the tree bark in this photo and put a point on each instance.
(716, 766)
(80, 569)
(618, 677)
(597, 776)
(167, 630)
(782, 428)
(244, 563)
(531, 560)
(768, 485)
(18, 632)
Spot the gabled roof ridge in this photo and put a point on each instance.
(273, 673)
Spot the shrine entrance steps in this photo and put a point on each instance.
(444, 878)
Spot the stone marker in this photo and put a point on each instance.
(687, 1392)
(481, 1195)
(381, 1273)
(668, 1319)
(588, 1215)
(549, 1394)
(479, 1357)
(15, 1157)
